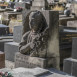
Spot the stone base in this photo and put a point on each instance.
(2, 60)
(70, 66)
(29, 62)
(10, 49)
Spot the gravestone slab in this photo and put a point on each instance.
(70, 66)
(3, 40)
(72, 23)
(29, 62)
(52, 35)
(74, 48)
(17, 33)
(10, 49)
(67, 64)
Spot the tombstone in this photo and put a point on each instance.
(72, 61)
(17, 34)
(30, 62)
(39, 5)
(72, 23)
(74, 48)
(3, 40)
(50, 42)
(12, 47)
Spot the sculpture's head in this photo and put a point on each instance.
(36, 21)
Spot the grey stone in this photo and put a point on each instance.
(34, 72)
(67, 64)
(74, 48)
(10, 49)
(74, 67)
(29, 62)
(3, 40)
(38, 4)
(51, 17)
(72, 23)
(17, 34)
(70, 66)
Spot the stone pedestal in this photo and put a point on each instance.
(29, 62)
(3, 40)
(2, 60)
(51, 35)
(10, 49)
(71, 63)
(35, 72)
(74, 48)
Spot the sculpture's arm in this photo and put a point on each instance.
(25, 49)
(24, 40)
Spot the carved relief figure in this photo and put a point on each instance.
(33, 42)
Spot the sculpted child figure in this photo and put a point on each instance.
(33, 42)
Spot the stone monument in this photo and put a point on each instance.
(40, 37)
(70, 64)
(39, 4)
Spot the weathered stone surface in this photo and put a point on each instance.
(74, 48)
(17, 34)
(29, 62)
(3, 40)
(51, 35)
(67, 64)
(10, 49)
(35, 72)
(72, 23)
(2, 60)
(74, 69)
(70, 66)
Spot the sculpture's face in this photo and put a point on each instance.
(35, 20)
